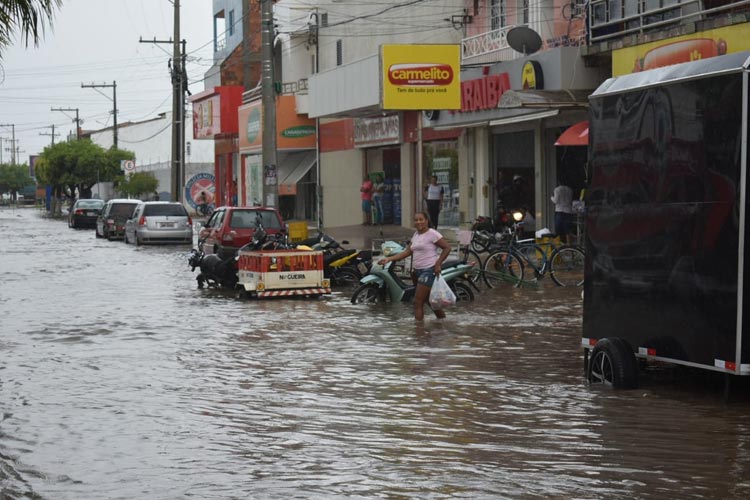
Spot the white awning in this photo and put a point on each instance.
(293, 166)
(524, 117)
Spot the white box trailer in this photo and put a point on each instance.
(666, 221)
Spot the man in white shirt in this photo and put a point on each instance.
(434, 200)
(562, 197)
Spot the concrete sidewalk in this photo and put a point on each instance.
(362, 237)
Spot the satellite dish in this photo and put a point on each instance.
(524, 40)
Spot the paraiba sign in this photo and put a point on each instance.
(253, 125)
(298, 131)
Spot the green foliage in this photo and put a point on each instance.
(14, 178)
(25, 18)
(80, 165)
(139, 184)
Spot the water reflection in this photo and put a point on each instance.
(120, 379)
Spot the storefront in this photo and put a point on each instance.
(215, 118)
(511, 115)
(296, 172)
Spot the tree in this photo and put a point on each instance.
(139, 184)
(27, 17)
(13, 178)
(74, 167)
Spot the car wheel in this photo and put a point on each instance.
(613, 364)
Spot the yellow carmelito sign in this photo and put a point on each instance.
(421, 76)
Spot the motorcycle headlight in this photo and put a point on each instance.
(518, 216)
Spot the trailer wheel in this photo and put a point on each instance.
(613, 364)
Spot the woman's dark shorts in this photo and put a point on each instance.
(425, 276)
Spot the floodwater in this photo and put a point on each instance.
(119, 379)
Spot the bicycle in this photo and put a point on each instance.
(508, 264)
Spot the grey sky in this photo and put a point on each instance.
(97, 41)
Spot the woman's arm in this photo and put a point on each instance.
(446, 250)
(397, 257)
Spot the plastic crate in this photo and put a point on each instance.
(297, 231)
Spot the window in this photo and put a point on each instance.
(230, 22)
(220, 30)
(339, 53)
(497, 14)
(324, 19)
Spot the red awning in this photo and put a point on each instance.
(575, 135)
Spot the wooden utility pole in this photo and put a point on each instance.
(113, 85)
(268, 98)
(76, 119)
(12, 141)
(53, 133)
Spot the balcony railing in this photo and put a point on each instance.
(490, 46)
(608, 19)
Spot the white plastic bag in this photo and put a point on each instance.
(441, 294)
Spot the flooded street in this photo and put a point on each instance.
(119, 379)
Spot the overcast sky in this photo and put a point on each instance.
(97, 41)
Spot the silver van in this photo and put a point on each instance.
(159, 222)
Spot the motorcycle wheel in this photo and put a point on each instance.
(463, 291)
(346, 278)
(367, 294)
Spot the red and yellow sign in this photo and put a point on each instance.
(686, 48)
(293, 131)
(421, 76)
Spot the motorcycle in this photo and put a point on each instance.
(343, 266)
(216, 272)
(386, 283)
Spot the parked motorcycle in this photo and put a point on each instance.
(385, 282)
(216, 272)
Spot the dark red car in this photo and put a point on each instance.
(230, 228)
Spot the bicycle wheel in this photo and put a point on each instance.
(566, 266)
(502, 267)
(535, 256)
(469, 256)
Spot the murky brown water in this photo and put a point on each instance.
(120, 380)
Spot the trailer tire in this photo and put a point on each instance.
(613, 364)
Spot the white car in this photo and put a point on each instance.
(159, 222)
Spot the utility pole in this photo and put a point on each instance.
(76, 119)
(179, 86)
(53, 133)
(268, 99)
(12, 141)
(113, 85)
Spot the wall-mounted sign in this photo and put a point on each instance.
(377, 131)
(207, 117)
(483, 93)
(293, 131)
(421, 76)
(532, 76)
(686, 48)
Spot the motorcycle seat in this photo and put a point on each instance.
(448, 263)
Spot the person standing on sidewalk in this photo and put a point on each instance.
(377, 198)
(434, 200)
(366, 193)
(429, 249)
(562, 197)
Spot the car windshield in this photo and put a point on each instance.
(246, 219)
(171, 209)
(90, 204)
(122, 210)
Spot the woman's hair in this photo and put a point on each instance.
(424, 214)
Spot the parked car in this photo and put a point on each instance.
(159, 222)
(230, 228)
(84, 212)
(111, 222)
